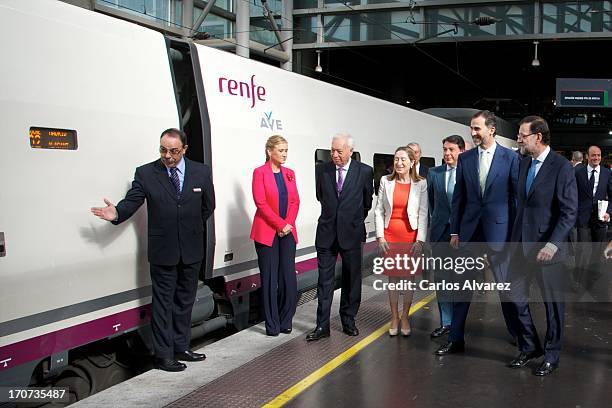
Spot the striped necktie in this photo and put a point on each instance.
(175, 181)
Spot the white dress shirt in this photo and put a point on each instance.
(346, 169)
(488, 155)
(597, 173)
(447, 175)
(541, 159)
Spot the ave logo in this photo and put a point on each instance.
(269, 123)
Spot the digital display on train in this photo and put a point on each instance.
(52, 138)
(582, 92)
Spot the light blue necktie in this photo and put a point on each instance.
(450, 185)
(531, 175)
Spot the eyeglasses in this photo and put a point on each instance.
(173, 152)
(522, 136)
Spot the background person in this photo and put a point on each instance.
(180, 198)
(594, 183)
(440, 188)
(344, 189)
(420, 168)
(276, 198)
(577, 158)
(401, 218)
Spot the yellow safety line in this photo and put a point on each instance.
(331, 365)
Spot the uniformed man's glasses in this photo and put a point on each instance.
(173, 152)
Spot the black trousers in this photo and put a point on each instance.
(350, 298)
(278, 282)
(174, 290)
(589, 254)
(552, 280)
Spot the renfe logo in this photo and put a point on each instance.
(243, 89)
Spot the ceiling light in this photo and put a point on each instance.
(318, 68)
(536, 61)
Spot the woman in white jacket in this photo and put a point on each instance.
(401, 228)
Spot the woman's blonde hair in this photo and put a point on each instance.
(272, 142)
(412, 172)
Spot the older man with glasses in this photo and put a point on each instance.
(180, 198)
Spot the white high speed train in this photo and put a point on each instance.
(83, 99)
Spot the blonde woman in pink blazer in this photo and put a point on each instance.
(276, 197)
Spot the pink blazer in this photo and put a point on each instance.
(267, 221)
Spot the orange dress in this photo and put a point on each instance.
(399, 232)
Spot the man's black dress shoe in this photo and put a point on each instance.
(523, 358)
(451, 348)
(271, 334)
(545, 369)
(350, 331)
(440, 331)
(317, 334)
(189, 355)
(167, 364)
(286, 331)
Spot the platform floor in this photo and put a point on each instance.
(250, 369)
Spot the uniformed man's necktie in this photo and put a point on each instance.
(175, 181)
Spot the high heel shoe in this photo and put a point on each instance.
(393, 332)
(406, 332)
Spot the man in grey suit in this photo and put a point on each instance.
(440, 187)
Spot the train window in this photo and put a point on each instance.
(52, 138)
(383, 164)
(324, 155)
(428, 161)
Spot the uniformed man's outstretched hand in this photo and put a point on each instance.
(108, 213)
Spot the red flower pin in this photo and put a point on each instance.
(290, 177)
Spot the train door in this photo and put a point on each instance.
(195, 122)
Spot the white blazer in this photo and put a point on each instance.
(417, 207)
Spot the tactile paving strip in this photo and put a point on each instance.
(262, 379)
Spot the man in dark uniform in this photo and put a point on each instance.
(180, 198)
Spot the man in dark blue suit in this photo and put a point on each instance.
(180, 198)
(344, 188)
(594, 183)
(440, 187)
(547, 202)
(483, 209)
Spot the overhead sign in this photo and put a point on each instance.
(581, 92)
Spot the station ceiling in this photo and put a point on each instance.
(496, 75)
